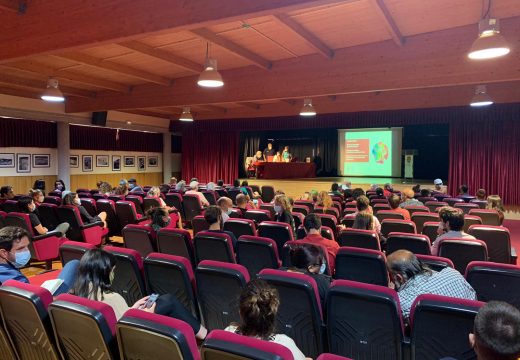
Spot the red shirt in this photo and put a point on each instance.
(331, 246)
(403, 212)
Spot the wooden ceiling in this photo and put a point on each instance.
(144, 56)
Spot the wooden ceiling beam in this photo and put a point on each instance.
(384, 14)
(210, 108)
(304, 34)
(25, 93)
(115, 67)
(291, 102)
(147, 113)
(41, 85)
(233, 47)
(163, 55)
(250, 105)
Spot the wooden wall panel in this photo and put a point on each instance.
(22, 184)
(89, 181)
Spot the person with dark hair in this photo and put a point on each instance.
(213, 216)
(236, 185)
(380, 192)
(133, 187)
(312, 226)
(388, 190)
(59, 185)
(394, 201)
(15, 254)
(416, 188)
(450, 226)
(269, 152)
(496, 332)
(258, 307)
(363, 205)
(37, 196)
(463, 190)
(363, 221)
(6, 193)
(334, 190)
(94, 282)
(160, 218)
(220, 183)
(481, 194)
(357, 192)
(105, 188)
(412, 278)
(27, 206)
(426, 193)
(72, 199)
(39, 184)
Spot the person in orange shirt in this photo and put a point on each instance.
(394, 202)
(312, 226)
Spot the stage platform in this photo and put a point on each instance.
(296, 187)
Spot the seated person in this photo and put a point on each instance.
(194, 190)
(27, 206)
(496, 332)
(94, 281)
(159, 218)
(15, 254)
(312, 226)
(334, 190)
(6, 193)
(409, 198)
(105, 188)
(394, 201)
(277, 157)
(438, 187)
(72, 199)
(236, 185)
(181, 186)
(324, 200)
(388, 190)
(494, 202)
(450, 226)
(357, 192)
(59, 185)
(251, 169)
(225, 204)
(133, 187)
(37, 196)
(173, 182)
(412, 278)
(258, 308)
(213, 216)
(481, 194)
(220, 184)
(258, 156)
(155, 193)
(246, 190)
(364, 221)
(426, 193)
(244, 203)
(363, 205)
(282, 209)
(306, 196)
(380, 192)
(416, 188)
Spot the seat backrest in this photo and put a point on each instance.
(436, 263)
(328, 220)
(497, 239)
(199, 223)
(258, 216)
(150, 202)
(90, 205)
(139, 238)
(393, 225)
(366, 239)
(71, 215)
(431, 316)
(480, 203)
(99, 196)
(374, 201)
(170, 274)
(362, 265)
(233, 193)
(488, 216)
(470, 220)
(257, 253)
(2, 218)
(419, 218)
(128, 274)
(138, 203)
(175, 200)
(389, 214)
(268, 207)
(26, 321)
(348, 219)
(301, 208)
(432, 205)
(379, 207)
(308, 203)
(219, 285)
(112, 220)
(240, 227)
(210, 196)
(126, 213)
(213, 246)
(267, 193)
(466, 207)
(364, 321)
(278, 231)
(6, 349)
(83, 327)
(143, 335)
(430, 230)
(412, 209)
(176, 242)
(452, 201)
(494, 281)
(116, 198)
(192, 206)
(19, 220)
(416, 243)
(73, 250)
(10, 206)
(463, 251)
(327, 356)
(298, 219)
(299, 314)
(47, 213)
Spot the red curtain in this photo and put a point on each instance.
(28, 133)
(100, 138)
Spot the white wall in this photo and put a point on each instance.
(52, 170)
(108, 170)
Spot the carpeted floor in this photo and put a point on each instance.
(514, 229)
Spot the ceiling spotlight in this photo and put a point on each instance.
(52, 93)
(210, 77)
(186, 114)
(307, 109)
(489, 44)
(481, 98)
(129, 123)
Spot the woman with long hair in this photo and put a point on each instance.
(72, 199)
(283, 208)
(37, 196)
(364, 221)
(175, 219)
(27, 206)
(494, 202)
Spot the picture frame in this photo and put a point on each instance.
(116, 162)
(23, 163)
(102, 160)
(41, 160)
(74, 161)
(141, 163)
(129, 161)
(7, 160)
(87, 163)
(153, 161)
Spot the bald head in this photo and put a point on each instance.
(403, 265)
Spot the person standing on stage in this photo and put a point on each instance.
(269, 151)
(286, 155)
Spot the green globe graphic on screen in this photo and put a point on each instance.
(380, 152)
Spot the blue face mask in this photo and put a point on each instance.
(277, 209)
(21, 258)
(323, 267)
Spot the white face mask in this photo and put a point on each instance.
(77, 202)
(277, 209)
(323, 267)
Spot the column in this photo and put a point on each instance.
(167, 157)
(64, 153)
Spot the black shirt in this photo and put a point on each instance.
(35, 221)
(231, 235)
(287, 218)
(86, 217)
(268, 152)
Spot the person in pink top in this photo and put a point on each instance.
(194, 190)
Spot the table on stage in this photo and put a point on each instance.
(283, 170)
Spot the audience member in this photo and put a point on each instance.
(6, 193)
(464, 192)
(408, 198)
(306, 196)
(388, 190)
(37, 196)
(426, 193)
(334, 190)
(312, 226)
(210, 186)
(72, 199)
(364, 221)
(314, 195)
(346, 185)
(258, 308)
(363, 206)
(417, 188)
(282, 209)
(481, 194)
(39, 184)
(236, 185)
(496, 332)
(173, 182)
(412, 278)
(27, 206)
(450, 226)
(324, 200)
(159, 218)
(225, 204)
(105, 188)
(194, 190)
(213, 216)
(181, 186)
(94, 281)
(380, 192)
(122, 188)
(394, 202)
(494, 202)
(438, 187)
(133, 187)
(357, 192)
(220, 183)
(59, 185)
(155, 193)
(15, 254)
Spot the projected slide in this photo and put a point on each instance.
(370, 152)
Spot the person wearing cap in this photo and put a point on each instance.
(408, 199)
(439, 188)
(132, 184)
(194, 190)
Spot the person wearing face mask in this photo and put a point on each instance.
(27, 206)
(213, 216)
(412, 278)
(132, 185)
(37, 196)
(282, 208)
(59, 185)
(312, 226)
(225, 204)
(72, 199)
(15, 254)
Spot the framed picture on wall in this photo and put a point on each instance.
(129, 161)
(102, 161)
(87, 163)
(41, 160)
(74, 161)
(7, 160)
(116, 162)
(23, 163)
(153, 161)
(141, 163)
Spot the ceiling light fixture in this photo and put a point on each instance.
(210, 77)
(307, 109)
(489, 44)
(481, 98)
(52, 93)
(186, 114)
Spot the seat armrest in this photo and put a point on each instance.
(142, 219)
(88, 226)
(406, 348)
(48, 235)
(513, 256)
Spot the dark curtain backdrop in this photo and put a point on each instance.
(28, 133)
(100, 138)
